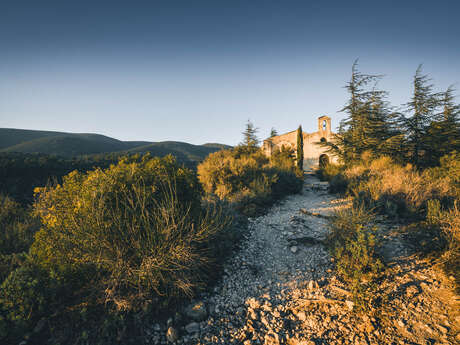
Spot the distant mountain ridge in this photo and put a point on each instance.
(80, 144)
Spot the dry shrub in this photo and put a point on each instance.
(450, 225)
(135, 231)
(328, 171)
(249, 179)
(395, 189)
(429, 198)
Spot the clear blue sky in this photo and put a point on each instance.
(195, 71)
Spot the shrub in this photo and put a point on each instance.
(353, 244)
(17, 227)
(328, 171)
(133, 232)
(400, 191)
(28, 293)
(450, 225)
(427, 198)
(334, 174)
(9, 262)
(249, 179)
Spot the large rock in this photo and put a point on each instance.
(197, 311)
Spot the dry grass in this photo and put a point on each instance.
(429, 199)
(249, 179)
(450, 225)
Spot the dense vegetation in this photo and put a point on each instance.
(115, 241)
(405, 165)
(248, 178)
(135, 236)
(71, 145)
(21, 172)
(425, 129)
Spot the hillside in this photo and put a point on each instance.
(183, 151)
(78, 144)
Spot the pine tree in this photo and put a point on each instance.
(250, 139)
(273, 132)
(422, 108)
(367, 126)
(300, 148)
(443, 135)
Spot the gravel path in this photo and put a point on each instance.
(282, 250)
(280, 289)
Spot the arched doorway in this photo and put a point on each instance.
(323, 160)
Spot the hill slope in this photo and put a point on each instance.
(78, 144)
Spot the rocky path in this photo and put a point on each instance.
(280, 289)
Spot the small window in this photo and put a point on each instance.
(323, 140)
(324, 125)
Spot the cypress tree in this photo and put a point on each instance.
(300, 148)
(273, 132)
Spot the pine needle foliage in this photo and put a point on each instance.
(250, 139)
(369, 125)
(443, 134)
(422, 112)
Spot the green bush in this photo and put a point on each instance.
(9, 262)
(114, 244)
(353, 244)
(134, 231)
(28, 293)
(248, 179)
(17, 227)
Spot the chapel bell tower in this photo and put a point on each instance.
(324, 126)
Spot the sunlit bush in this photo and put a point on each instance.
(134, 231)
(428, 198)
(353, 244)
(401, 191)
(248, 178)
